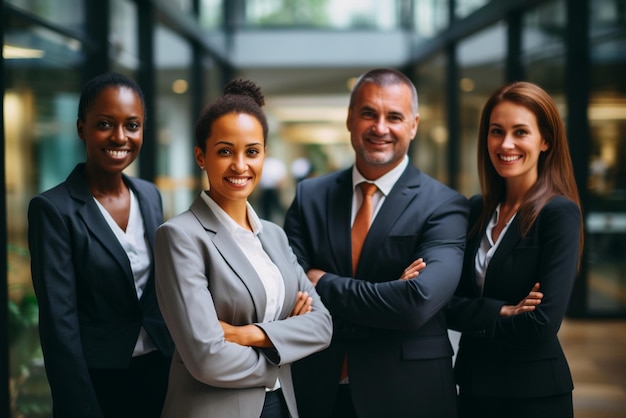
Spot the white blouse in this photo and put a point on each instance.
(487, 248)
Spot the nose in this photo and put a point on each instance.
(508, 142)
(119, 135)
(380, 126)
(239, 164)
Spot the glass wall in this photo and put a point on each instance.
(177, 171)
(336, 14)
(606, 208)
(481, 60)
(430, 148)
(42, 81)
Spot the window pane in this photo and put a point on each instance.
(606, 209)
(42, 81)
(481, 72)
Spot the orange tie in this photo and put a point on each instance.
(362, 222)
(360, 227)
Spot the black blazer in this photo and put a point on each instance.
(518, 356)
(89, 314)
(394, 332)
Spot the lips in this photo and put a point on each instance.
(238, 181)
(117, 153)
(509, 158)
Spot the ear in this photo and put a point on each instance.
(199, 157)
(416, 123)
(544, 145)
(79, 129)
(348, 119)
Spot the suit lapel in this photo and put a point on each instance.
(338, 213)
(404, 192)
(232, 255)
(510, 239)
(95, 222)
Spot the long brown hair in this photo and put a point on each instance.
(555, 174)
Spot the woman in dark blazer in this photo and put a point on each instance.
(106, 347)
(521, 260)
(239, 305)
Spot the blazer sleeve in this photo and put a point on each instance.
(189, 312)
(558, 233)
(55, 287)
(407, 304)
(297, 336)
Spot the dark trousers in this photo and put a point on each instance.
(138, 391)
(275, 405)
(344, 407)
(560, 406)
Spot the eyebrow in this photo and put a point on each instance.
(251, 144)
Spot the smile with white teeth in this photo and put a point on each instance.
(238, 181)
(117, 153)
(509, 158)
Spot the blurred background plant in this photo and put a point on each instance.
(30, 394)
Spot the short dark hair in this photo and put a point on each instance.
(240, 96)
(385, 77)
(101, 82)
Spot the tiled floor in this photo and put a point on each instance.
(596, 352)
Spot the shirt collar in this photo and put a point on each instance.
(227, 221)
(385, 182)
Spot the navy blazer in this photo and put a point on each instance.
(89, 313)
(393, 331)
(518, 356)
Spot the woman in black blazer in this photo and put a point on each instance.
(106, 347)
(523, 249)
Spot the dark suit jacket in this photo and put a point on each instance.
(393, 331)
(89, 314)
(518, 356)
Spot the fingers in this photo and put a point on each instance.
(304, 304)
(414, 269)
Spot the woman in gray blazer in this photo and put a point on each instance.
(520, 264)
(239, 306)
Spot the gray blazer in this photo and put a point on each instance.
(202, 277)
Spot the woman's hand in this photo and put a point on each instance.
(246, 335)
(304, 304)
(528, 304)
(414, 269)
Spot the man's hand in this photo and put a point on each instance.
(414, 269)
(314, 275)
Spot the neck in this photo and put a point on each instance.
(104, 184)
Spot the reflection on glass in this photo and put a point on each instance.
(175, 162)
(430, 17)
(42, 79)
(429, 149)
(606, 208)
(340, 14)
(481, 72)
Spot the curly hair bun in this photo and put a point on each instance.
(242, 87)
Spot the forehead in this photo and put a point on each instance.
(507, 112)
(116, 97)
(392, 97)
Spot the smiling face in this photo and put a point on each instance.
(233, 158)
(382, 125)
(112, 129)
(514, 143)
